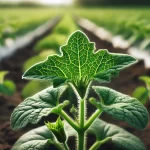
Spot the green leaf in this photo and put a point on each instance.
(41, 139)
(38, 139)
(32, 109)
(57, 129)
(8, 87)
(122, 107)
(141, 93)
(121, 139)
(79, 63)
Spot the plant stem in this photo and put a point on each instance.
(92, 118)
(75, 91)
(81, 132)
(97, 144)
(81, 141)
(69, 120)
(82, 113)
(87, 90)
(66, 146)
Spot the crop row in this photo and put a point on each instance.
(16, 22)
(133, 24)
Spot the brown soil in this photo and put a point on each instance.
(125, 83)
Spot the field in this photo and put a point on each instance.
(133, 24)
(16, 22)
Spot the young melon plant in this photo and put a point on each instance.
(7, 87)
(76, 68)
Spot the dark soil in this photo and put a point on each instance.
(125, 83)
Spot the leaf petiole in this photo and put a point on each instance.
(92, 118)
(97, 144)
(69, 120)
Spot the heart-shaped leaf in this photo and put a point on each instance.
(79, 63)
(122, 107)
(121, 139)
(32, 109)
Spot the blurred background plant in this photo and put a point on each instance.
(142, 93)
(7, 87)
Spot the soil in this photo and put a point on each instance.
(125, 83)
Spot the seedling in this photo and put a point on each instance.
(7, 87)
(76, 68)
(142, 93)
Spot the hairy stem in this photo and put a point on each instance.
(75, 91)
(82, 113)
(81, 140)
(87, 91)
(69, 120)
(81, 132)
(97, 144)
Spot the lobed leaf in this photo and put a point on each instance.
(32, 109)
(79, 63)
(122, 107)
(120, 139)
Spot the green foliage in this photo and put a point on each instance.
(14, 25)
(59, 36)
(52, 42)
(120, 139)
(27, 92)
(7, 87)
(76, 68)
(2, 75)
(146, 79)
(133, 24)
(143, 93)
(122, 107)
(32, 109)
(79, 64)
(58, 130)
(38, 139)
(40, 57)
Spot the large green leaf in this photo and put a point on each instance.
(38, 139)
(121, 139)
(41, 139)
(32, 109)
(122, 107)
(79, 63)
